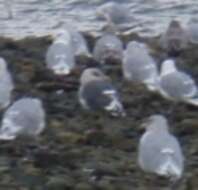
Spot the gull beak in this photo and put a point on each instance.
(145, 123)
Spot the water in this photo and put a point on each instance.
(41, 17)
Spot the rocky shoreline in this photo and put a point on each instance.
(82, 150)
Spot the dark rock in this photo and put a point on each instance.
(82, 150)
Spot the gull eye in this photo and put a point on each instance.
(96, 73)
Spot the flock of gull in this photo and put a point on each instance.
(159, 151)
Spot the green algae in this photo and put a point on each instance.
(82, 150)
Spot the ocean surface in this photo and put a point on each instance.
(21, 18)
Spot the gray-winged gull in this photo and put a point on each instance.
(79, 43)
(114, 13)
(6, 84)
(108, 46)
(159, 151)
(60, 55)
(97, 93)
(25, 117)
(177, 85)
(8, 6)
(139, 66)
(175, 38)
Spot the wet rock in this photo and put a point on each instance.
(83, 186)
(60, 183)
(75, 139)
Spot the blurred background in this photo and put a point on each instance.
(19, 18)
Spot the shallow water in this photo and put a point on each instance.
(41, 17)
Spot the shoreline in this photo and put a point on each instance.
(82, 150)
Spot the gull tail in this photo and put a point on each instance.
(115, 107)
(152, 84)
(193, 100)
(6, 137)
(8, 130)
(119, 110)
(61, 68)
(83, 51)
(151, 87)
(88, 54)
(169, 167)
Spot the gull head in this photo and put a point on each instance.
(136, 44)
(174, 24)
(156, 122)
(91, 74)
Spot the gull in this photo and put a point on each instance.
(97, 93)
(116, 14)
(79, 43)
(25, 117)
(175, 38)
(108, 46)
(8, 6)
(139, 66)
(159, 151)
(177, 85)
(60, 55)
